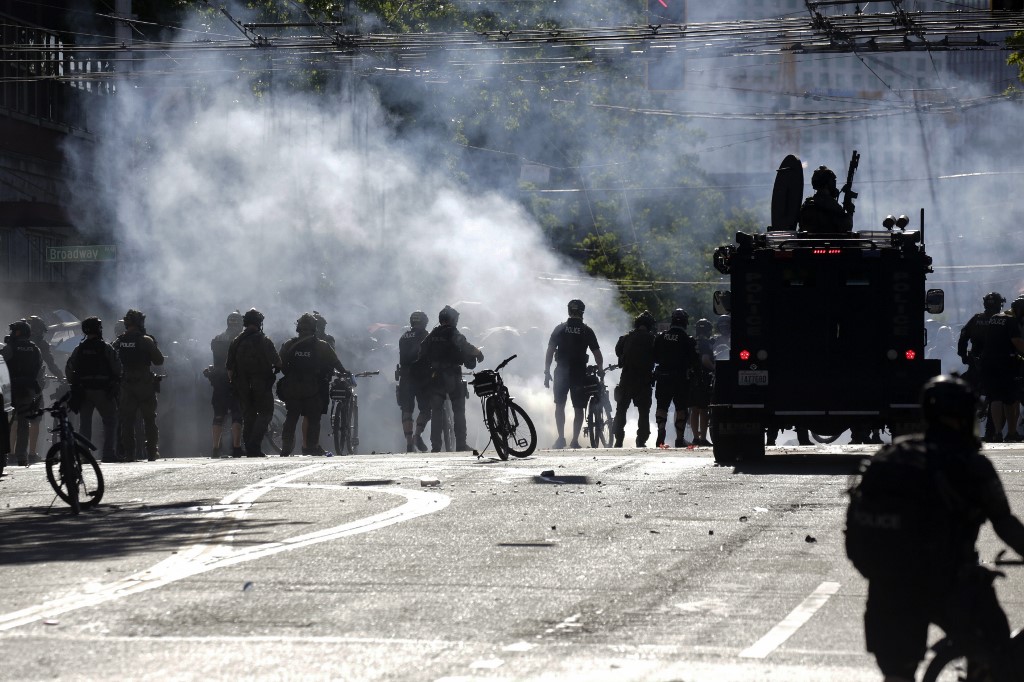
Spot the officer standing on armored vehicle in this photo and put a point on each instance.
(224, 400)
(445, 351)
(253, 363)
(94, 374)
(24, 362)
(567, 346)
(635, 351)
(138, 353)
(822, 213)
(675, 353)
(409, 390)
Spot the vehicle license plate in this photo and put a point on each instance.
(753, 378)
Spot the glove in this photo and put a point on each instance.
(547, 379)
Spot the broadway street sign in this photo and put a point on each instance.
(80, 254)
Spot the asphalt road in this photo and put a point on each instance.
(568, 565)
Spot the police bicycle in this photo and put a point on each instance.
(950, 662)
(512, 431)
(345, 411)
(600, 420)
(71, 468)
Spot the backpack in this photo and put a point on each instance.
(904, 515)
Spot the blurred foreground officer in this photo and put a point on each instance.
(410, 382)
(252, 365)
(94, 373)
(24, 362)
(224, 401)
(635, 351)
(138, 353)
(445, 351)
(304, 360)
(567, 346)
(675, 352)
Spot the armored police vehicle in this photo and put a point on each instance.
(828, 328)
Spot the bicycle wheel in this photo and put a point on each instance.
(494, 417)
(89, 487)
(594, 421)
(340, 426)
(448, 426)
(948, 665)
(275, 428)
(353, 427)
(512, 429)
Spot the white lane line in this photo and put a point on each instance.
(791, 623)
(201, 558)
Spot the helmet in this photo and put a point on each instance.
(20, 328)
(576, 307)
(644, 319)
(306, 324)
(235, 319)
(37, 325)
(703, 327)
(1018, 306)
(993, 301)
(418, 319)
(134, 318)
(680, 317)
(253, 316)
(724, 324)
(321, 322)
(948, 401)
(823, 178)
(92, 325)
(448, 315)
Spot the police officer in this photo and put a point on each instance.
(675, 353)
(900, 606)
(445, 351)
(138, 353)
(700, 385)
(252, 364)
(568, 345)
(304, 360)
(822, 213)
(224, 400)
(321, 330)
(635, 351)
(39, 330)
(1013, 435)
(24, 362)
(94, 373)
(411, 378)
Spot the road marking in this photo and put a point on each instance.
(201, 558)
(791, 623)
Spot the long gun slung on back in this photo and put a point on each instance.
(847, 189)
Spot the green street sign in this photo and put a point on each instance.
(80, 254)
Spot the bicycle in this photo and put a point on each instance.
(950, 662)
(345, 412)
(512, 431)
(275, 429)
(71, 469)
(600, 419)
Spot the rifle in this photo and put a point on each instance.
(847, 189)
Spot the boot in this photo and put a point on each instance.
(661, 437)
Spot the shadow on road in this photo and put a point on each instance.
(809, 464)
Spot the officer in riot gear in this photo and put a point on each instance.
(700, 385)
(411, 376)
(94, 373)
(138, 353)
(24, 362)
(822, 213)
(253, 363)
(445, 351)
(224, 400)
(39, 331)
(568, 346)
(635, 351)
(675, 353)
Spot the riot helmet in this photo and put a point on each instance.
(135, 318)
(306, 324)
(235, 320)
(92, 325)
(948, 403)
(703, 327)
(253, 317)
(724, 325)
(1018, 306)
(37, 326)
(680, 318)
(576, 307)
(644, 319)
(993, 302)
(448, 315)
(418, 319)
(20, 328)
(823, 178)
(321, 322)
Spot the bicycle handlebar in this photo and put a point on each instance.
(38, 412)
(505, 362)
(1000, 561)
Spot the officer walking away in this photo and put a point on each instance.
(138, 353)
(568, 346)
(304, 360)
(1013, 434)
(410, 377)
(912, 526)
(252, 364)
(995, 358)
(635, 351)
(94, 374)
(822, 213)
(972, 337)
(24, 362)
(675, 353)
(224, 400)
(445, 351)
(700, 385)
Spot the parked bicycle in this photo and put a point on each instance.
(600, 419)
(512, 431)
(1004, 661)
(345, 411)
(72, 470)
